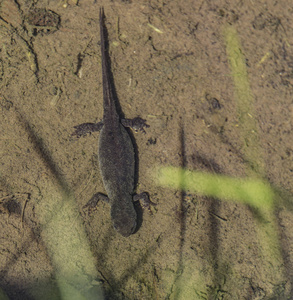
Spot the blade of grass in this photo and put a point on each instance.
(244, 103)
(267, 231)
(254, 192)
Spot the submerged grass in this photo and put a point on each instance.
(248, 133)
(254, 190)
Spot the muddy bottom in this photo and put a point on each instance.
(175, 64)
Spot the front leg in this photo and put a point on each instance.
(137, 124)
(92, 203)
(144, 200)
(85, 128)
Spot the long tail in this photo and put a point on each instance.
(109, 104)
